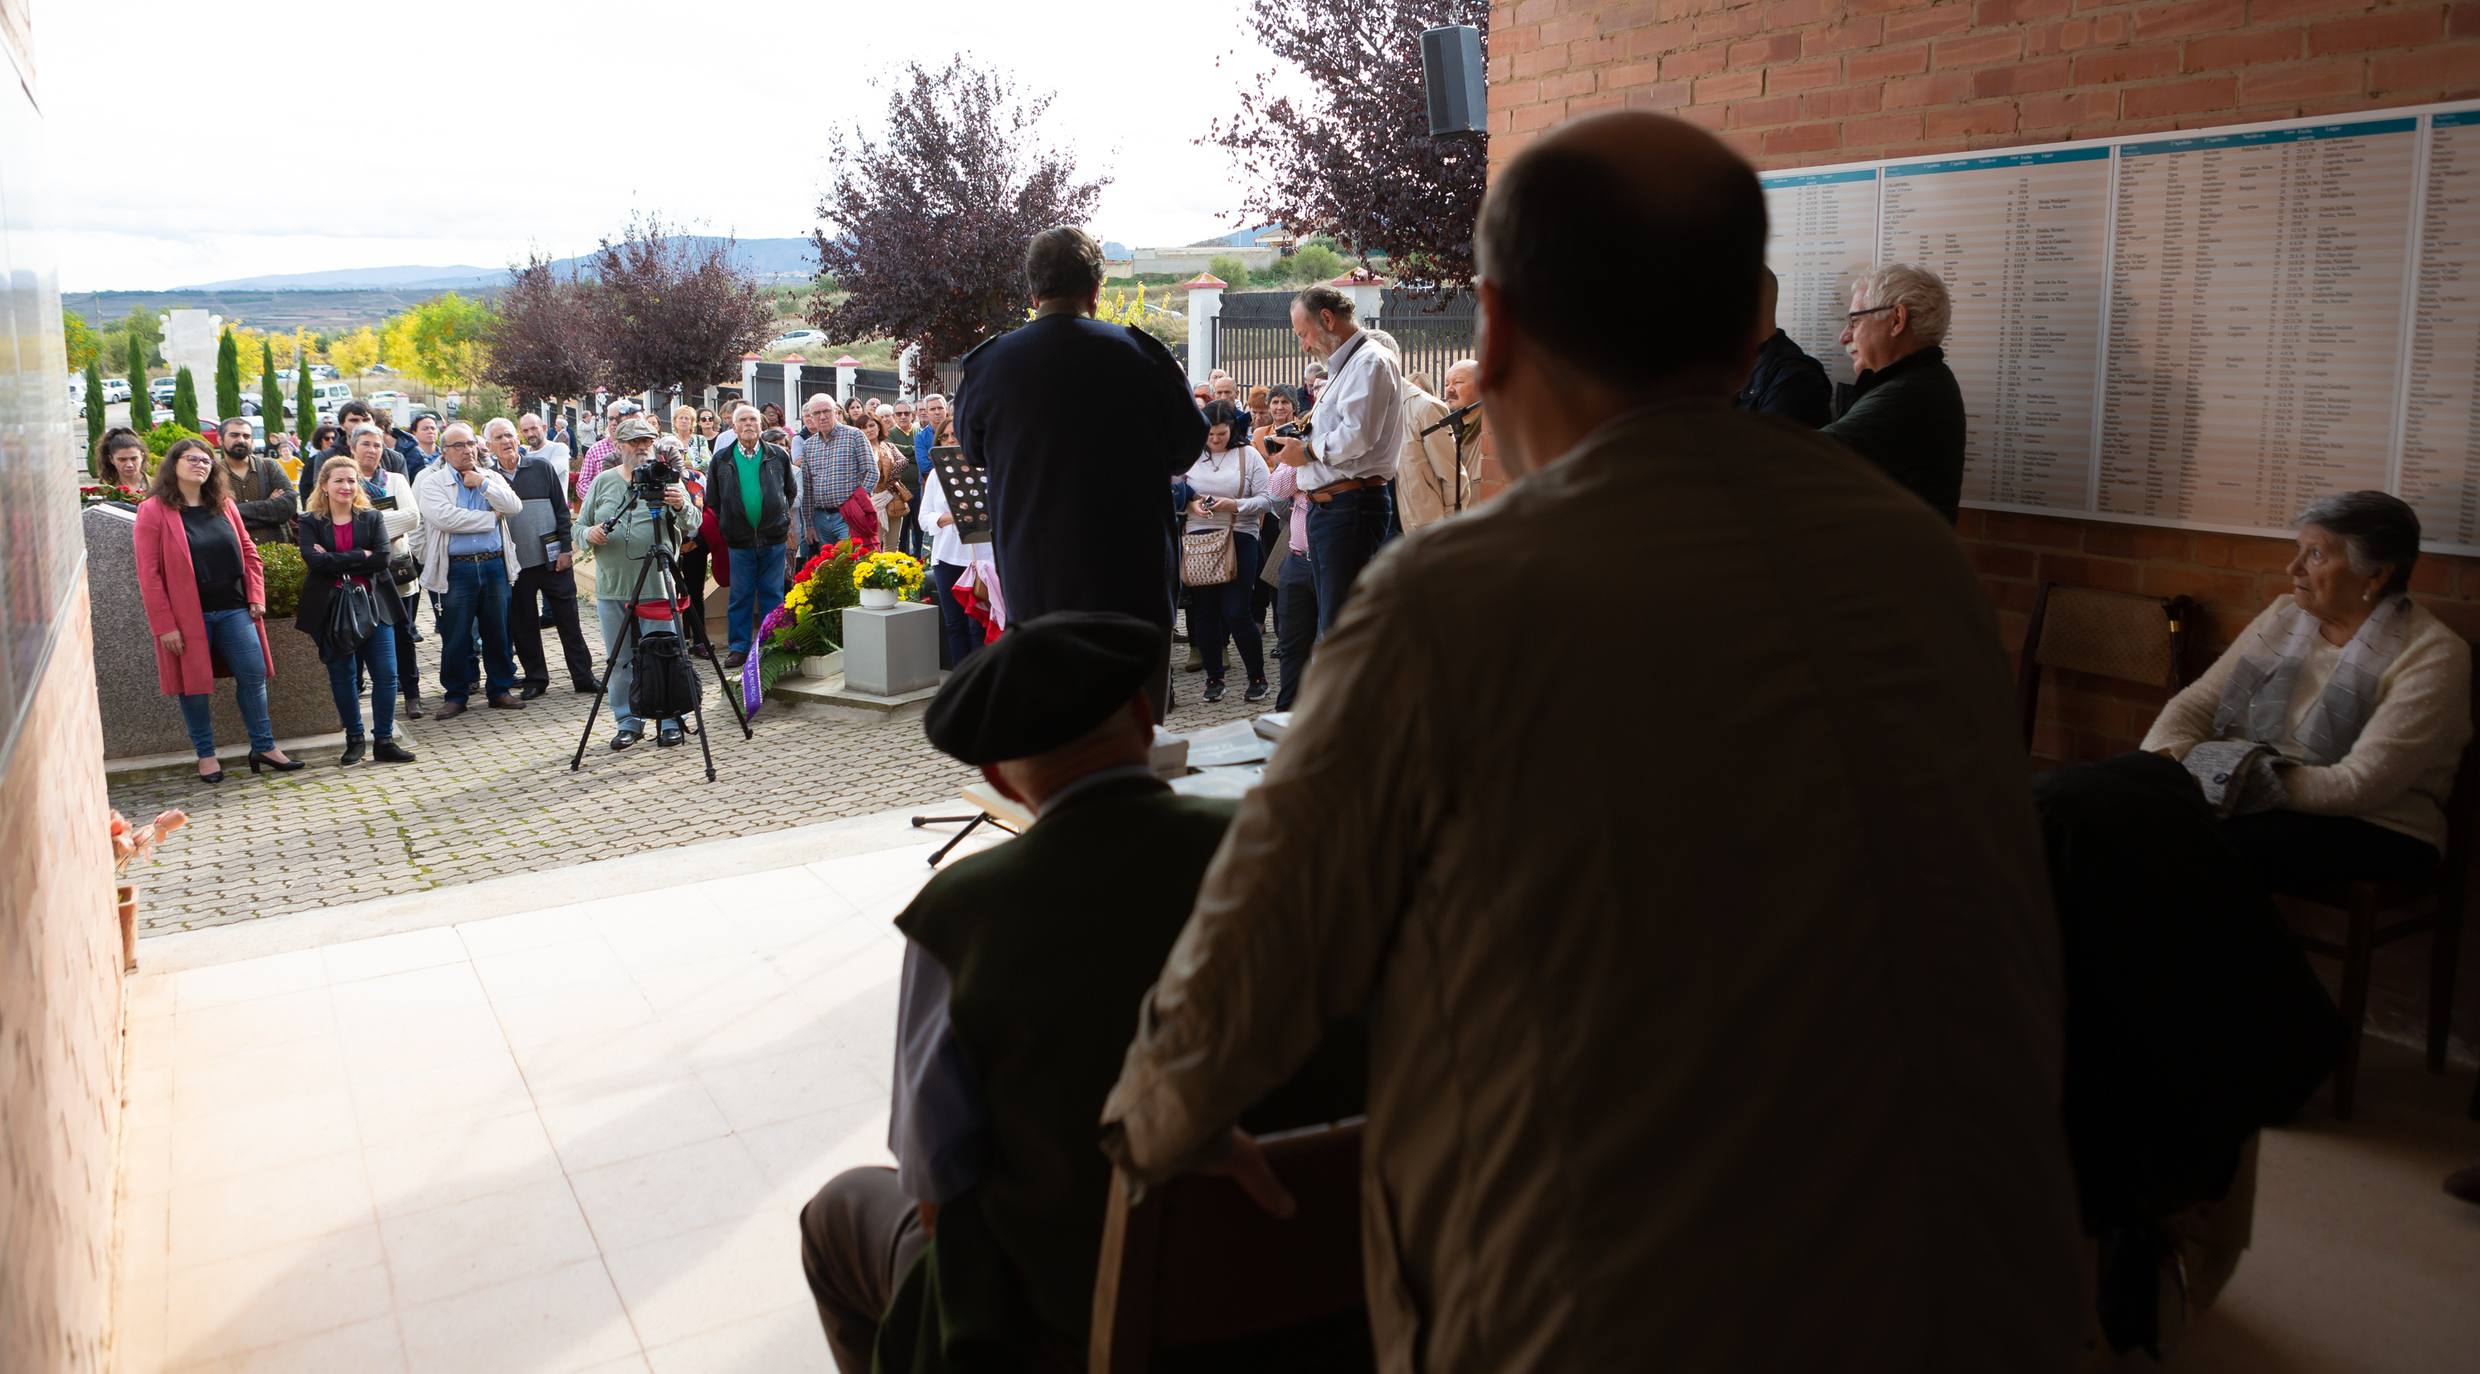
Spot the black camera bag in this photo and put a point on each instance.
(663, 684)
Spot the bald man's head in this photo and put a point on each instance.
(1627, 247)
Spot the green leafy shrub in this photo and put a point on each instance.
(161, 438)
(285, 571)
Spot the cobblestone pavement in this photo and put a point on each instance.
(492, 795)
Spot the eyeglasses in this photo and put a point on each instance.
(458, 443)
(1854, 316)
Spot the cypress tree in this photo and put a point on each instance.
(94, 415)
(185, 401)
(305, 417)
(227, 376)
(270, 395)
(141, 410)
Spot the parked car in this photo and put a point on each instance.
(77, 396)
(799, 338)
(321, 372)
(395, 403)
(161, 388)
(115, 389)
(326, 396)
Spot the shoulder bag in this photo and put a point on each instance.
(352, 618)
(1207, 557)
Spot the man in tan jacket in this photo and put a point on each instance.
(1716, 1027)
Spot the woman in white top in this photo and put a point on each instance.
(2360, 697)
(1228, 490)
(392, 497)
(959, 634)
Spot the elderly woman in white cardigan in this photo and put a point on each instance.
(2328, 733)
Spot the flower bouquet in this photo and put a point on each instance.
(808, 623)
(131, 843)
(104, 493)
(893, 576)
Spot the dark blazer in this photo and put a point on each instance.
(1907, 418)
(1079, 518)
(723, 496)
(368, 557)
(1786, 381)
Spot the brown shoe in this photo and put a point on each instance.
(448, 710)
(505, 702)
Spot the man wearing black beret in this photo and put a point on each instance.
(1022, 976)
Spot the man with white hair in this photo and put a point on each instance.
(1483, 479)
(835, 459)
(592, 460)
(933, 415)
(469, 561)
(1349, 457)
(1906, 413)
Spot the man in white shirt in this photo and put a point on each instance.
(534, 441)
(1357, 432)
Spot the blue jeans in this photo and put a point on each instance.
(825, 527)
(477, 599)
(757, 589)
(376, 657)
(232, 636)
(1344, 534)
(959, 634)
(620, 670)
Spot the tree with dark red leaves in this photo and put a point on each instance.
(669, 311)
(545, 341)
(925, 228)
(1356, 160)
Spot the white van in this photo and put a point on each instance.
(326, 396)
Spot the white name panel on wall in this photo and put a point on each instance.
(2207, 329)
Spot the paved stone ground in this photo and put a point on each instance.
(493, 795)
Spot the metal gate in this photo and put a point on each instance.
(1433, 331)
(1253, 341)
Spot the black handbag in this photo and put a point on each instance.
(662, 685)
(352, 618)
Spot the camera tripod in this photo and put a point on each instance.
(665, 537)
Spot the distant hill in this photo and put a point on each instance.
(767, 260)
(1238, 238)
(320, 311)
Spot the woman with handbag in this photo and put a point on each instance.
(349, 604)
(1219, 551)
(206, 601)
(391, 494)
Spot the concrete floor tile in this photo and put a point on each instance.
(276, 1295)
(804, 1082)
(587, 963)
(787, 1339)
(485, 1242)
(574, 1065)
(574, 1011)
(695, 1282)
(213, 1033)
(381, 955)
(366, 1347)
(526, 930)
(414, 1171)
(392, 1104)
(258, 1137)
(659, 1195)
(217, 985)
(567, 1319)
(589, 1130)
(259, 1077)
(268, 1208)
(800, 1155)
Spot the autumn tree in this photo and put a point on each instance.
(925, 227)
(668, 310)
(227, 376)
(1356, 158)
(79, 340)
(443, 340)
(353, 353)
(544, 343)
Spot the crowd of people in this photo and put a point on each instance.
(1762, 990)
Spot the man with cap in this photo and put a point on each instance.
(1022, 974)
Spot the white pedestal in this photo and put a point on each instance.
(891, 652)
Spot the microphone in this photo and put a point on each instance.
(1449, 418)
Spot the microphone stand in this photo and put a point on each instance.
(1454, 418)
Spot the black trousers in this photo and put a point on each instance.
(1295, 625)
(548, 588)
(692, 565)
(858, 1236)
(408, 671)
(2295, 851)
(1218, 616)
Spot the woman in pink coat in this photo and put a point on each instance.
(206, 600)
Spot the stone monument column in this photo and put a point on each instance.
(189, 341)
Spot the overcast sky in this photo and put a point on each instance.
(348, 133)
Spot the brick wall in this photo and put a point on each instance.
(60, 1024)
(1795, 83)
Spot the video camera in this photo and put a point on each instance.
(656, 471)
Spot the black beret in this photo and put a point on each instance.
(1045, 683)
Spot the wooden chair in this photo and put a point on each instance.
(2139, 639)
(2374, 914)
(1199, 1264)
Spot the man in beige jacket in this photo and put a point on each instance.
(1716, 1027)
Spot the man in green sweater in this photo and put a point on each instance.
(1022, 977)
